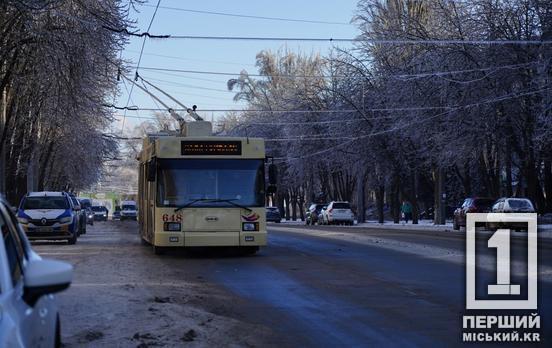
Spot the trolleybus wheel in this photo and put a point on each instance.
(157, 250)
(250, 250)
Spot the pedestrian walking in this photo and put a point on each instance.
(406, 210)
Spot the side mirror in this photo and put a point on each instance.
(44, 277)
(151, 169)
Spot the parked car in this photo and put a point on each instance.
(471, 205)
(311, 215)
(129, 210)
(338, 213)
(86, 204)
(80, 213)
(48, 215)
(116, 213)
(273, 214)
(28, 317)
(511, 205)
(429, 213)
(100, 212)
(320, 219)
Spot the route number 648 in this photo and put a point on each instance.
(172, 218)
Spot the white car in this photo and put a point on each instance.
(338, 213)
(513, 205)
(128, 210)
(28, 310)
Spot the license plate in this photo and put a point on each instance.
(44, 229)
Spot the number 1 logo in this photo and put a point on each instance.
(500, 241)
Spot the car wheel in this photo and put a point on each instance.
(57, 339)
(278, 221)
(455, 225)
(73, 239)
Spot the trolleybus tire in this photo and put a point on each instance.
(157, 250)
(249, 250)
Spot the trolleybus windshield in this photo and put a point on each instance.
(181, 181)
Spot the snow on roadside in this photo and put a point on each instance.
(418, 248)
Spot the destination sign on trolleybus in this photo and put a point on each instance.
(211, 148)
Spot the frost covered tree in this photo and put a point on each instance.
(413, 121)
(58, 67)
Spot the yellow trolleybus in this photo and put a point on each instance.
(200, 190)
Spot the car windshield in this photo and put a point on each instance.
(341, 206)
(45, 202)
(98, 208)
(129, 207)
(520, 204)
(85, 203)
(203, 181)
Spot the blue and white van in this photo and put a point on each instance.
(49, 216)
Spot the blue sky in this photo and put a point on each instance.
(209, 91)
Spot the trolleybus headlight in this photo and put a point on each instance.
(250, 226)
(172, 226)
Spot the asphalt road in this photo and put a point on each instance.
(318, 286)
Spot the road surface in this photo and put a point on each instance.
(322, 286)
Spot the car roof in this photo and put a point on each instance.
(46, 193)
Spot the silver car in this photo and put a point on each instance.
(28, 310)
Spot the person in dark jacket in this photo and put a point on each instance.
(406, 210)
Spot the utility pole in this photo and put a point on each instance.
(361, 217)
(442, 197)
(3, 117)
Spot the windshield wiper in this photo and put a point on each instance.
(231, 201)
(213, 200)
(190, 203)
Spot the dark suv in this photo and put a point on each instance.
(311, 216)
(471, 205)
(80, 213)
(273, 214)
(86, 204)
